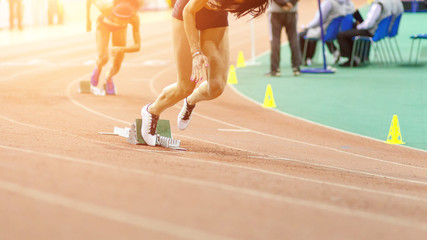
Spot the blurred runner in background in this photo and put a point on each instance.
(55, 8)
(15, 11)
(113, 21)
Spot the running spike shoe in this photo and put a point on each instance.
(184, 116)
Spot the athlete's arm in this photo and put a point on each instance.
(189, 17)
(136, 35)
(136, 39)
(200, 61)
(88, 21)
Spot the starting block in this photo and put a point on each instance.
(164, 136)
(86, 87)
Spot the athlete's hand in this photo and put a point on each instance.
(115, 51)
(200, 67)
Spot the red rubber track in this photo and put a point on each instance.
(248, 172)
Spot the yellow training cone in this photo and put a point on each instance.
(232, 79)
(240, 60)
(394, 136)
(269, 99)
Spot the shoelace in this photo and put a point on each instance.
(188, 111)
(153, 125)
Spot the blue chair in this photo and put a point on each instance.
(330, 35)
(347, 23)
(418, 37)
(360, 42)
(394, 28)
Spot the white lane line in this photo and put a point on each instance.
(59, 200)
(109, 213)
(37, 69)
(239, 167)
(277, 158)
(245, 150)
(284, 138)
(233, 130)
(153, 150)
(255, 153)
(310, 144)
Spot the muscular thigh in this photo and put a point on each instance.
(102, 38)
(119, 38)
(215, 46)
(182, 52)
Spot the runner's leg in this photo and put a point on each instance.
(215, 45)
(118, 40)
(184, 86)
(102, 41)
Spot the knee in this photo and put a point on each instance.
(183, 91)
(117, 65)
(216, 88)
(102, 59)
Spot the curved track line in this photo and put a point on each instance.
(308, 144)
(68, 93)
(318, 124)
(87, 139)
(152, 88)
(58, 200)
(257, 170)
(109, 213)
(277, 158)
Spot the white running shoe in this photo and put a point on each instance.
(149, 126)
(184, 116)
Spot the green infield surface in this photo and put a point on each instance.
(361, 100)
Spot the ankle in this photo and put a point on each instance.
(151, 109)
(189, 102)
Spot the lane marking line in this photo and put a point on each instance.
(108, 213)
(101, 211)
(233, 130)
(256, 153)
(257, 170)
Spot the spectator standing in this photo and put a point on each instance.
(283, 14)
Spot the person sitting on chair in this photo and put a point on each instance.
(396, 10)
(330, 9)
(378, 10)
